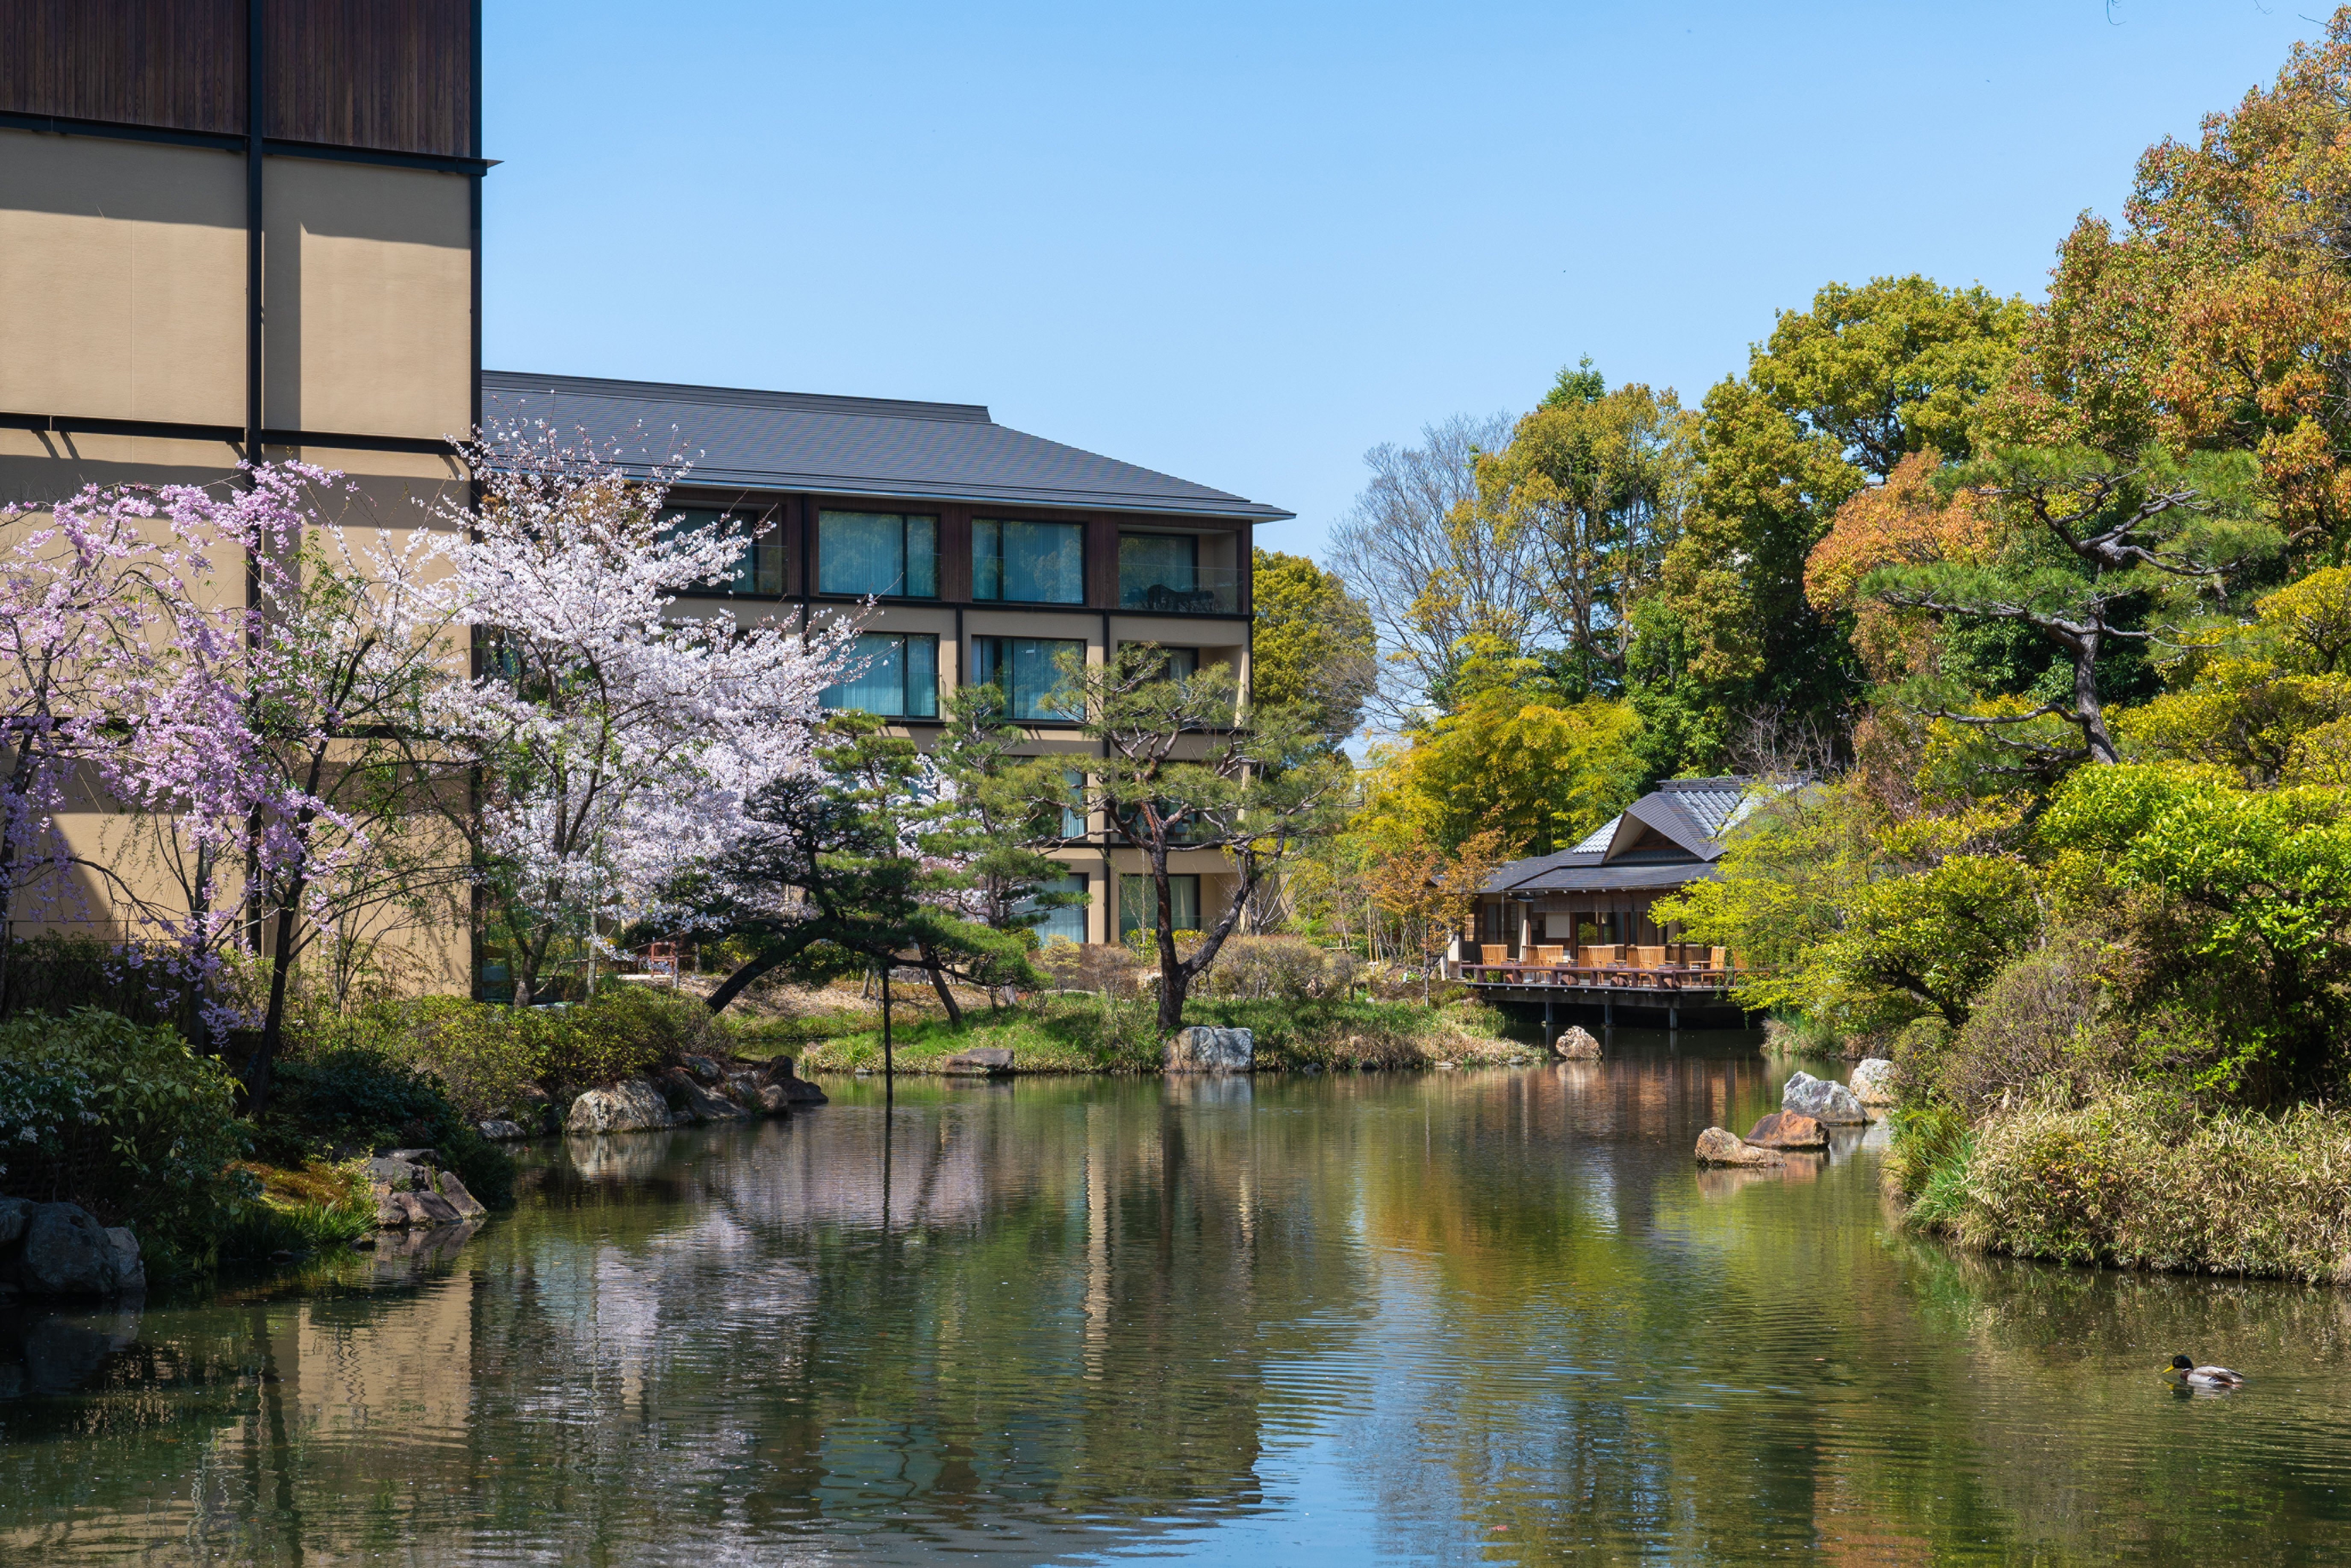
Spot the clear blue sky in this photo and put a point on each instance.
(1242, 242)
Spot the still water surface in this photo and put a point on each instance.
(1477, 1317)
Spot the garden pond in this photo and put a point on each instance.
(1487, 1316)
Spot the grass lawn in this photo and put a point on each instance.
(1053, 1033)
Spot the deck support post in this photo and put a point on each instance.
(1546, 1023)
(1608, 1011)
(1672, 1016)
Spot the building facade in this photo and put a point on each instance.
(251, 229)
(989, 553)
(233, 230)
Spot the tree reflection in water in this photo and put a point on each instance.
(1488, 1314)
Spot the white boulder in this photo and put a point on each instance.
(1821, 1100)
(1204, 1049)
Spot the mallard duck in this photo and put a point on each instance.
(2196, 1376)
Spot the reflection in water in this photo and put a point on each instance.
(1485, 1315)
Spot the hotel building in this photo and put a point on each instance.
(253, 227)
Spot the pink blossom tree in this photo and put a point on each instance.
(620, 742)
(92, 599)
(288, 734)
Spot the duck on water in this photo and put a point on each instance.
(2196, 1376)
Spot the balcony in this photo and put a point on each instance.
(1153, 589)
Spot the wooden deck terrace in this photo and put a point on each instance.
(1648, 979)
(1691, 981)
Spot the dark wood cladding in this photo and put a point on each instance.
(389, 74)
(176, 63)
(392, 74)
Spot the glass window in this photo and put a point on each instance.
(890, 555)
(759, 568)
(1157, 571)
(900, 678)
(1027, 668)
(1182, 662)
(1031, 563)
(1073, 816)
(1067, 922)
(1138, 905)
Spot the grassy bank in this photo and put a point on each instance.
(1081, 1034)
(2138, 1181)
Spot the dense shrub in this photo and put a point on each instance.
(2042, 1027)
(56, 974)
(624, 1031)
(2138, 1180)
(1280, 968)
(355, 1099)
(486, 1059)
(121, 1118)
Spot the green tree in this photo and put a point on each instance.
(1599, 481)
(2099, 556)
(1004, 806)
(867, 860)
(1312, 644)
(1831, 402)
(1185, 769)
(1541, 768)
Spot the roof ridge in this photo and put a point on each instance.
(741, 397)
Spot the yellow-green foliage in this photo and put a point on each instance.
(2269, 700)
(1840, 914)
(487, 1058)
(1545, 772)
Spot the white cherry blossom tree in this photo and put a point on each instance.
(620, 740)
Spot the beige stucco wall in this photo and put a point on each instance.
(122, 280)
(368, 280)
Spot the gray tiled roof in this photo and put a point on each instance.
(845, 446)
(1691, 815)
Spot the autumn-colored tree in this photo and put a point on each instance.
(2218, 314)
(1906, 521)
(1429, 891)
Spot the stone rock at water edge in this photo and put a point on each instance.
(453, 1192)
(501, 1132)
(1205, 1050)
(797, 1090)
(1721, 1146)
(1788, 1130)
(1873, 1083)
(66, 1252)
(697, 1104)
(979, 1059)
(1822, 1100)
(631, 1106)
(1576, 1044)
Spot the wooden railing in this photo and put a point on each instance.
(1607, 977)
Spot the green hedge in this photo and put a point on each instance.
(124, 1119)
